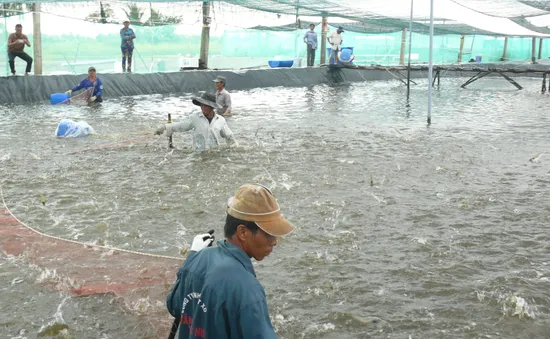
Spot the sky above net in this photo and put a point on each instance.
(484, 15)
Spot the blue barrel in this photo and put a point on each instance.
(280, 63)
(346, 54)
(58, 98)
(329, 52)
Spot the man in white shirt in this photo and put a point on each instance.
(208, 127)
(335, 40)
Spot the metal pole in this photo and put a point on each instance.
(37, 40)
(533, 50)
(540, 49)
(430, 64)
(170, 144)
(505, 49)
(402, 51)
(410, 44)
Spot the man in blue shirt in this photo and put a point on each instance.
(310, 38)
(216, 294)
(127, 36)
(91, 82)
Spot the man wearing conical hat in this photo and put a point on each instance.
(208, 127)
(217, 294)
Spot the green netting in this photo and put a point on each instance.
(170, 46)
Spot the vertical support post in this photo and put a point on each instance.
(543, 89)
(324, 27)
(461, 48)
(403, 44)
(540, 49)
(4, 6)
(533, 50)
(505, 49)
(37, 39)
(431, 61)
(205, 36)
(409, 61)
(170, 144)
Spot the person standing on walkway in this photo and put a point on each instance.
(310, 38)
(127, 36)
(336, 40)
(16, 44)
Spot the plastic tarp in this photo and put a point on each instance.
(25, 90)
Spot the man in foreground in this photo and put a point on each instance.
(208, 127)
(216, 294)
(16, 44)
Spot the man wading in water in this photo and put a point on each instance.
(216, 294)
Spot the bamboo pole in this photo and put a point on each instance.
(462, 38)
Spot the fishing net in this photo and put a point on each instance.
(141, 280)
(80, 99)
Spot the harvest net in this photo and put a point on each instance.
(141, 280)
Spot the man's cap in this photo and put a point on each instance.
(126, 21)
(341, 28)
(206, 98)
(91, 68)
(219, 78)
(253, 202)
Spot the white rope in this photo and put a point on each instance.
(78, 242)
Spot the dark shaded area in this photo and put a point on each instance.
(31, 89)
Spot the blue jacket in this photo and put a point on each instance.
(217, 295)
(127, 37)
(98, 89)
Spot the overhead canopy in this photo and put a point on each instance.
(488, 17)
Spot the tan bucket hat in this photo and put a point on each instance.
(256, 203)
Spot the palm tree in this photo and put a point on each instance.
(13, 9)
(158, 19)
(134, 14)
(105, 12)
